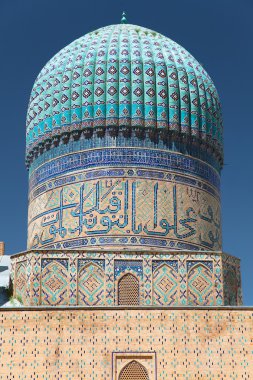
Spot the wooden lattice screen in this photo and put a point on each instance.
(134, 371)
(128, 290)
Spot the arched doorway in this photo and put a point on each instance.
(128, 290)
(134, 371)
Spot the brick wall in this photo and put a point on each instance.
(97, 344)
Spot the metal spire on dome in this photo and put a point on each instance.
(123, 18)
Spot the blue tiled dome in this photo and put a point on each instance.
(124, 80)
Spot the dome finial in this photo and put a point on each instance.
(123, 18)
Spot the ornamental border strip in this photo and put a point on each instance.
(95, 158)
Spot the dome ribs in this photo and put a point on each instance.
(162, 95)
(137, 96)
(112, 88)
(122, 82)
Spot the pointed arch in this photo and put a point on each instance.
(128, 290)
(133, 371)
(200, 286)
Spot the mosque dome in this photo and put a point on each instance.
(124, 146)
(126, 82)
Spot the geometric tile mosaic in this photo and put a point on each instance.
(91, 285)
(200, 286)
(54, 282)
(165, 285)
(94, 278)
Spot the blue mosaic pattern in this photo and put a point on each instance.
(171, 263)
(124, 266)
(55, 282)
(91, 283)
(141, 207)
(208, 264)
(165, 284)
(83, 262)
(83, 144)
(124, 157)
(115, 241)
(45, 262)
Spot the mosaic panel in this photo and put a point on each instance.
(165, 284)
(54, 282)
(20, 288)
(91, 285)
(200, 285)
(107, 162)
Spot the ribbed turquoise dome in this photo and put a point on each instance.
(124, 80)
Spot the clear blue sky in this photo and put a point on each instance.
(217, 32)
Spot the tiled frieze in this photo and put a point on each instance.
(124, 197)
(91, 278)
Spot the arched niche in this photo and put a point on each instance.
(133, 371)
(128, 290)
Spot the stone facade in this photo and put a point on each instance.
(103, 278)
(105, 344)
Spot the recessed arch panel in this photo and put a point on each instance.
(134, 371)
(128, 290)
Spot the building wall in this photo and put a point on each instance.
(96, 344)
(2, 248)
(93, 278)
